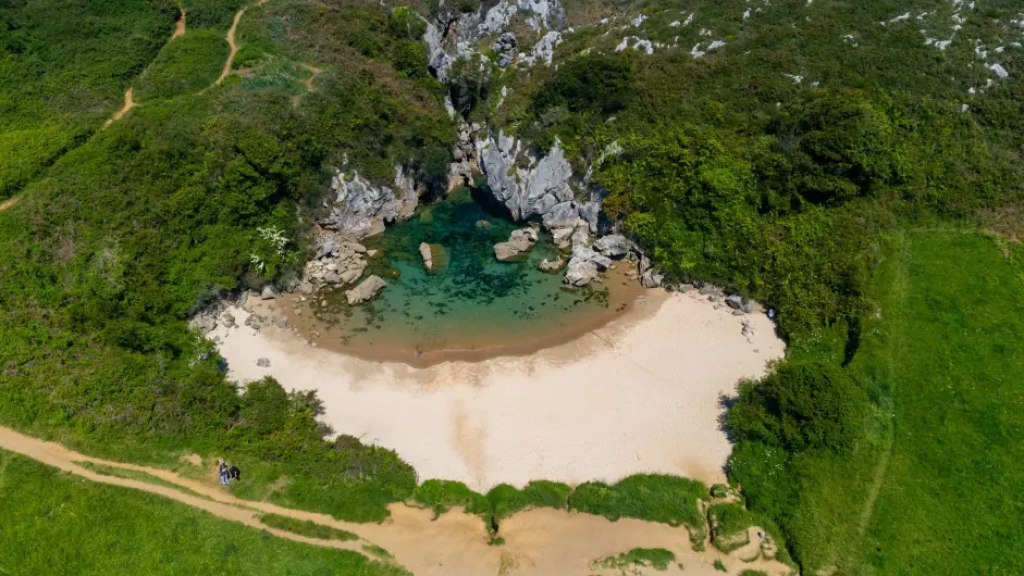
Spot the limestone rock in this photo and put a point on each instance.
(613, 246)
(263, 363)
(428, 261)
(268, 293)
(551, 266)
(361, 209)
(520, 241)
(366, 290)
(228, 320)
(584, 266)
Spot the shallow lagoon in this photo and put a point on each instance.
(472, 306)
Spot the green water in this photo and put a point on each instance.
(474, 303)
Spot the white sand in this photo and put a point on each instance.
(639, 395)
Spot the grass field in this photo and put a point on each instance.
(952, 339)
(92, 529)
(934, 488)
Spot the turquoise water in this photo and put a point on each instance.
(474, 305)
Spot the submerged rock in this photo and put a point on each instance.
(428, 260)
(551, 266)
(366, 290)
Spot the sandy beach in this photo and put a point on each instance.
(640, 394)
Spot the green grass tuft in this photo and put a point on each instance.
(653, 497)
(306, 528)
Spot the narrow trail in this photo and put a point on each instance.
(231, 40)
(308, 82)
(9, 203)
(179, 28)
(541, 542)
(129, 103)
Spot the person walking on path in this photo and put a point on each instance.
(223, 471)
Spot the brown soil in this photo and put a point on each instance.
(9, 203)
(543, 542)
(129, 103)
(231, 41)
(179, 28)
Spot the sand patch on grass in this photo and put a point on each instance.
(640, 394)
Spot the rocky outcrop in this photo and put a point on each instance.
(361, 209)
(543, 50)
(649, 277)
(519, 241)
(584, 266)
(339, 260)
(464, 164)
(507, 49)
(540, 189)
(366, 290)
(613, 246)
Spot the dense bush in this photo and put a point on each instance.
(652, 497)
(594, 83)
(800, 407)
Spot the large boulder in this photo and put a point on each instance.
(584, 266)
(526, 192)
(366, 290)
(613, 246)
(519, 242)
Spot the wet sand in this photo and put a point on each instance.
(640, 394)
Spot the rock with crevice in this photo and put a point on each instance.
(584, 266)
(614, 246)
(361, 208)
(366, 290)
(428, 259)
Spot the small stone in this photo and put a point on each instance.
(263, 363)
(268, 293)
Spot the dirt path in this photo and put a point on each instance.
(543, 542)
(231, 41)
(8, 203)
(308, 82)
(129, 103)
(179, 28)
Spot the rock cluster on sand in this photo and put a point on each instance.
(339, 260)
(520, 241)
(366, 290)
(584, 266)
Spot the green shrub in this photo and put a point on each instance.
(800, 407)
(594, 83)
(652, 497)
(729, 525)
(506, 500)
(657, 558)
(442, 495)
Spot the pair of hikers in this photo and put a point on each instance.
(228, 473)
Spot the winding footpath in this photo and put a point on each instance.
(540, 542)
(231, 41)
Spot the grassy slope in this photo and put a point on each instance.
(64, 67)
(944, 362)
(950, 502)
(91, 529)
